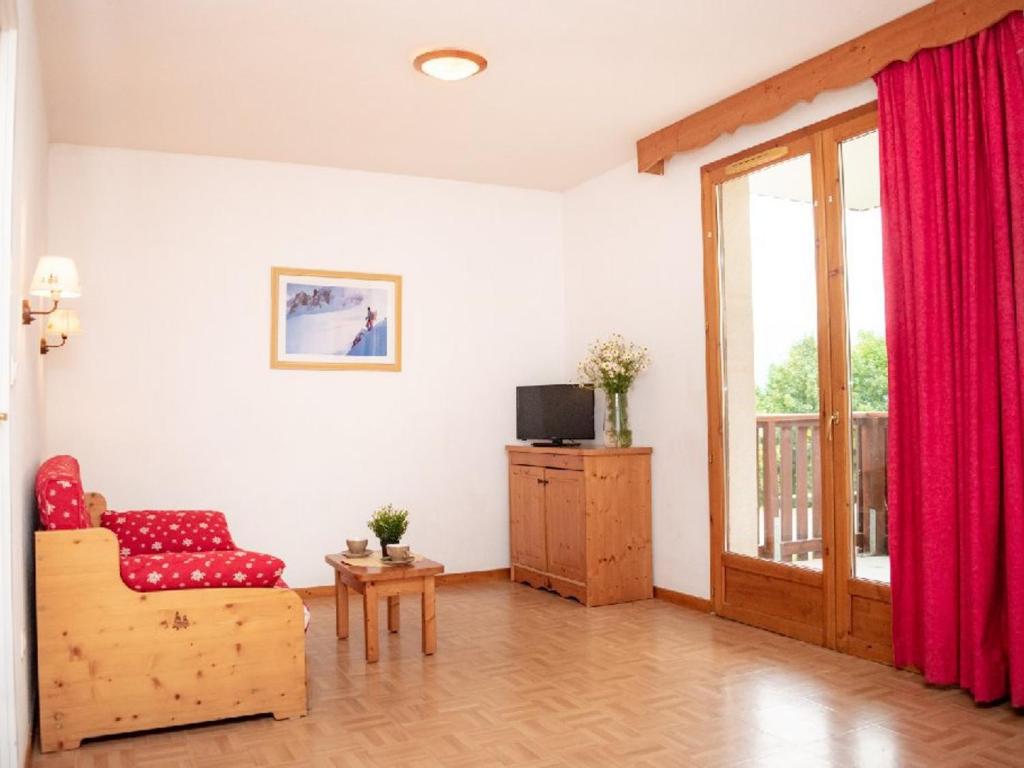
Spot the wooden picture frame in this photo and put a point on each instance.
(328, 320)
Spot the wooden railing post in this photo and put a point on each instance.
(872, 492)
(790, 489)
(769, 486)
(786, 481)
(815, 532)
(802, 432)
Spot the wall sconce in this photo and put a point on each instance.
(56, 277)
(63, 323)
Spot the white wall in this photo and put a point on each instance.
(633, 264)
(26, 397)
(168, 399)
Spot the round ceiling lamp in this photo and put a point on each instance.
(450, 64)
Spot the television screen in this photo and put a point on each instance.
(554, 412)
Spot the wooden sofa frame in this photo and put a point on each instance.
(113, 660)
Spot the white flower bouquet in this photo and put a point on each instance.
(613, 364)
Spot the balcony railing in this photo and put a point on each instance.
(789, 485)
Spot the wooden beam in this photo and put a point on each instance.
(939, 23)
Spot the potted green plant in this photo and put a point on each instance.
(388, 525)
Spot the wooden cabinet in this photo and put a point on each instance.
(580, 521)
(526, 530)
(565, 523)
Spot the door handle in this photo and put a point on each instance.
(832, 421)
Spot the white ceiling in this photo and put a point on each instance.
(570, 87)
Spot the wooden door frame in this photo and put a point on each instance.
(848, 587)
(11, 640)
(810, 139)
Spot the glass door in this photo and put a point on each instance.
(774, 356)
(798, 386)
(860, 361)
(770, 328)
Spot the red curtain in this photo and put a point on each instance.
(951, 132)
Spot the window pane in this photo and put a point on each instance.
(869, 379)
(770, 349)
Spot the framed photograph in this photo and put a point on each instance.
(323, 320)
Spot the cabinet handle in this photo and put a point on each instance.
(542, 481)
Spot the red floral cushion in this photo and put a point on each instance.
(189, 570)
(152, 532)
(59, 494)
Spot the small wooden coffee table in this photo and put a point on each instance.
(374, 581)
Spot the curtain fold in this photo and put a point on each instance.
(951, 134)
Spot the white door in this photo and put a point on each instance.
(9, 644)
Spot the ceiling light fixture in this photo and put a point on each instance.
(450, 64)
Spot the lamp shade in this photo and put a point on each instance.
(56, 276)
(63, 322)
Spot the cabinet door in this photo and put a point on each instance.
(566, 523)
(526, 517)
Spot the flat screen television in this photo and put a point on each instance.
(557, 413)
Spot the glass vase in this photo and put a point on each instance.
(617, 433)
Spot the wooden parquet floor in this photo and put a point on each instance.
(525, 678)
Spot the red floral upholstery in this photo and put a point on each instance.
(160, 550)
(158, 532)
(190, 570)
(59, 494)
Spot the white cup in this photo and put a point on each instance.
(398, 551)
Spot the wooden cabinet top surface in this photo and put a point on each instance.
(579, 451)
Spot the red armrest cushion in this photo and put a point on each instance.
(59, 495)
(189, 570)
(150, 532)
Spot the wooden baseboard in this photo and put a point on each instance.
(473, 577)
(503, 574)
(444, 580)
(693, 602)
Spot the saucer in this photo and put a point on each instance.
(357, 555)
(386, 560)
